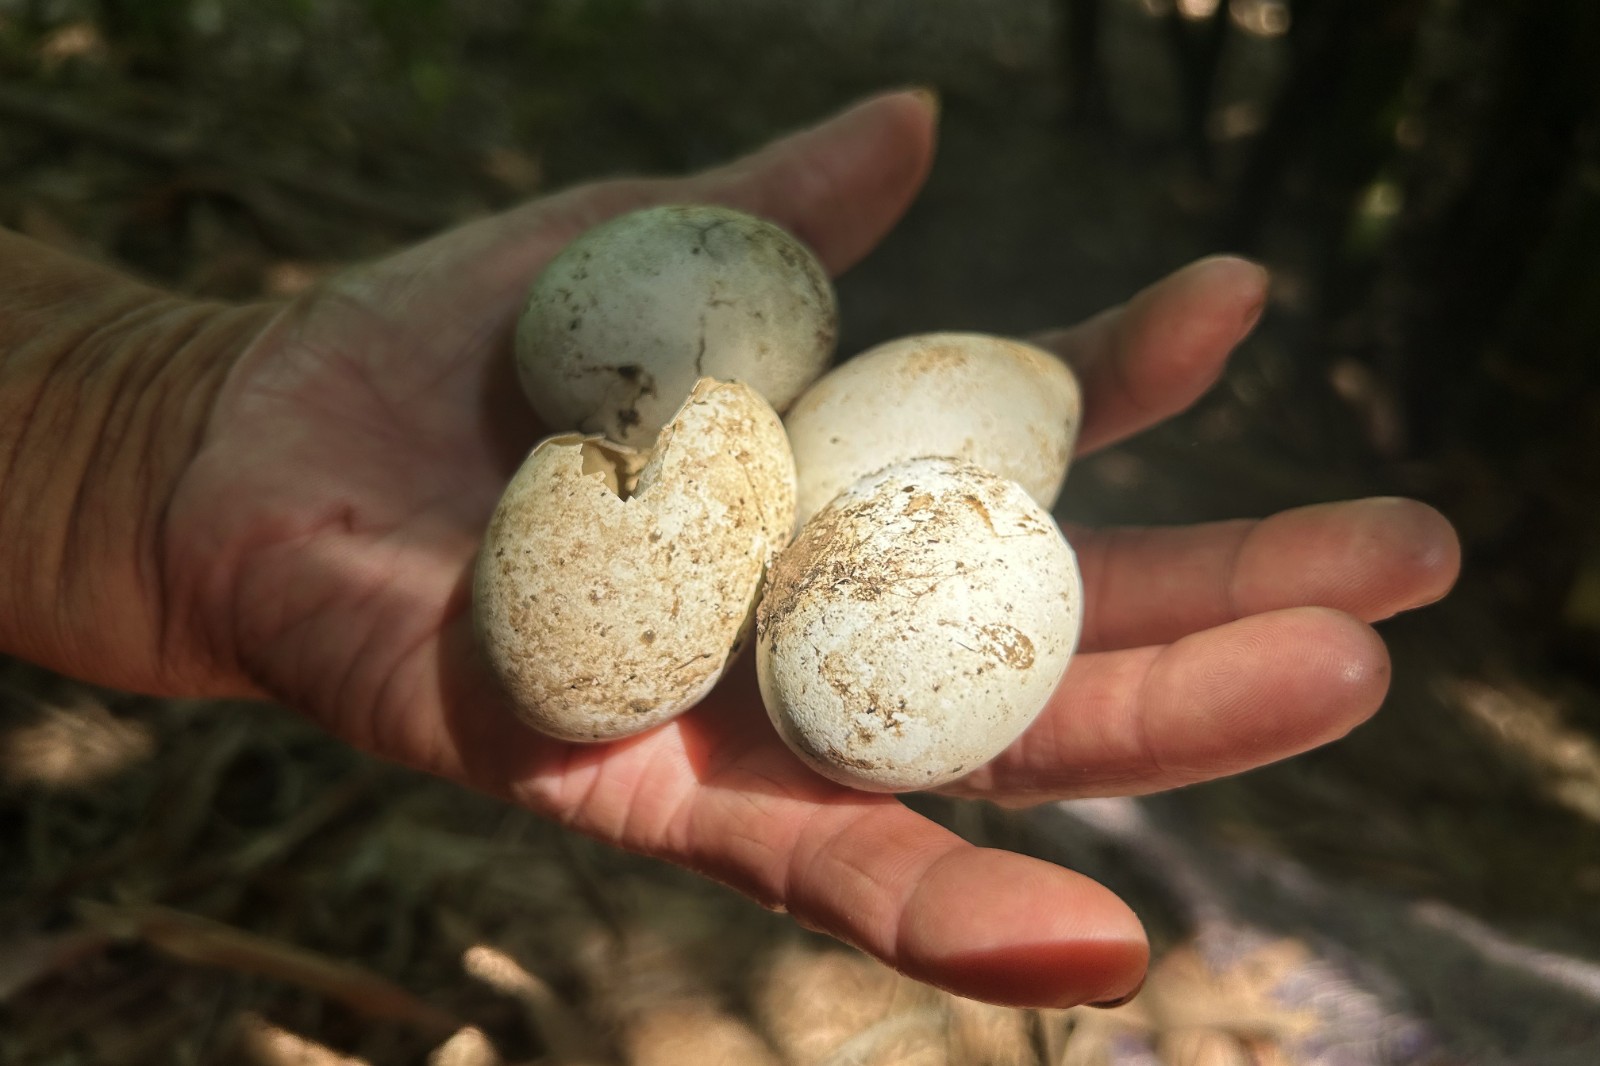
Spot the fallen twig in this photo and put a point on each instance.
(265, 1044)
(194, 939)
(557, 1024)
(469, 1047)
(26, 962)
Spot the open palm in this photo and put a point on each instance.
(324, 535)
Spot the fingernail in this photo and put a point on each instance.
(1252, 316)
(930, 96)
(1122, 1001)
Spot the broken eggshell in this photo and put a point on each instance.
(917, 626)
(607, 604)
(1004, 405)
(618, 327)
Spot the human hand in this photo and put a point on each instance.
(318, 548)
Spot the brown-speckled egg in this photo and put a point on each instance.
(620, 325)
(607, 603)
(1007, 406)
(917, 625)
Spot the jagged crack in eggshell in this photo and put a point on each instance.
(917, 626)
(1006, 406)
(603, 616)
(619, 326)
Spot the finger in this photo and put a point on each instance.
(865, 869)
(716, 792)
(1215, 703)
(1369, 558)
(1155, 355)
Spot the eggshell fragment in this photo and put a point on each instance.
(917, 626)
(1007, 406)
(605, 611)
(618, 327)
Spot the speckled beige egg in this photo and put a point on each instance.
(619, 326)
(608, 603)
(917, 626)
(1001, 404)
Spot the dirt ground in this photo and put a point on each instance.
(203, 882)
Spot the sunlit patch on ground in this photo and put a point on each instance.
(66, 747)
(1565, 760)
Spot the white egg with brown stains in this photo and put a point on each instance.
(612, 589)
(917, 626)
(619, 326)
(1006, 406)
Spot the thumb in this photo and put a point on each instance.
(839, 186)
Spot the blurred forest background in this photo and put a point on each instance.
(197, 882)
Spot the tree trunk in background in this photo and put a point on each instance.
(1501, 275)
(1078, 33)
(1197, 46)
(1334, 116)
(1329, 135)
(1476, 303)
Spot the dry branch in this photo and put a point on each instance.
(205, 942)
(469, 1047)
(25, 962)
(265, 1044)
(560, 1027)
